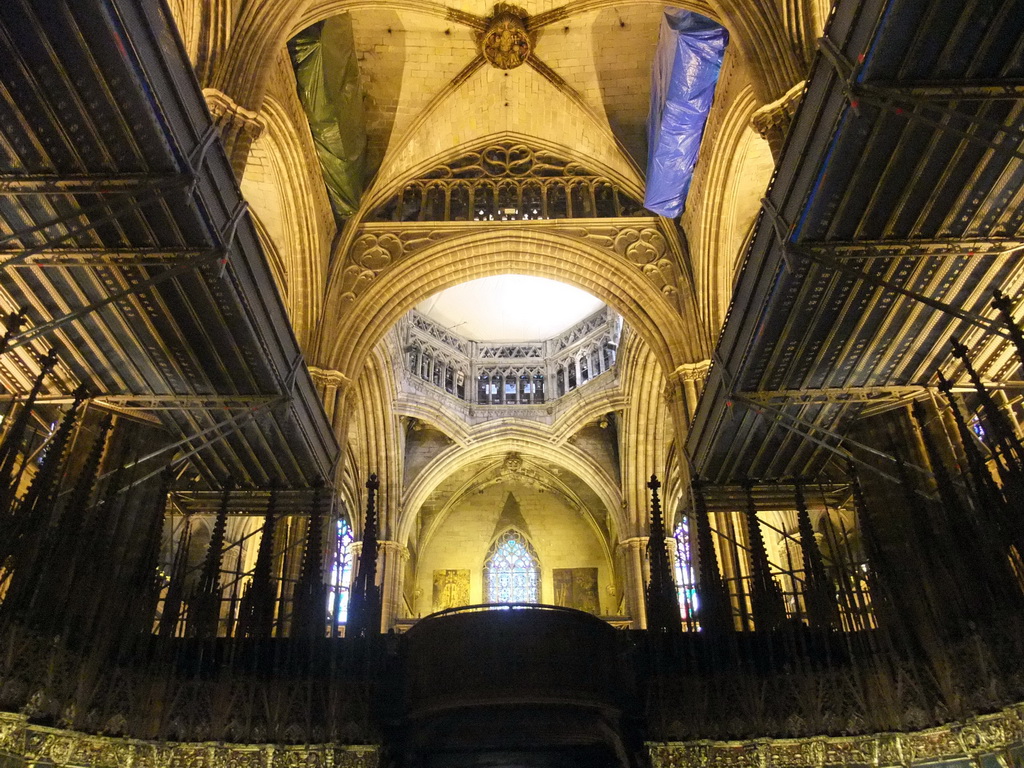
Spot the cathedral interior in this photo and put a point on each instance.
(583, 384)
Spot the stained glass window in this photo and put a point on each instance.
(977, 427)
(341, 574)
(511, 571)
(686, 581)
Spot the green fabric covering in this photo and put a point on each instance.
(327, 75)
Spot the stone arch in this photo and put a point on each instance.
(277, 264)
(646, 417)
(376, 447)
(358, 318)
(717, 245)
(285, 186)
(532, 443)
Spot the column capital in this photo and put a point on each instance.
(772, 120)
(239, 127)
(326, 377)
(634, 541)
(397, 547)
(691, 371)
(688, 376)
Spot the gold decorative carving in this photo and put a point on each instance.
(971, 739)
(506, 43)
(373, 252)
(65, 748)
(645, 247)
(451, 589)
(985, 734)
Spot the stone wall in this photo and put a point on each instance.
(562, 537)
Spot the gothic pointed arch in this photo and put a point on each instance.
(511, 568)
(633, 271)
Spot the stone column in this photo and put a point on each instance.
(686, 383)
(773, 119)
(239, 127)
(392, 557)
(550, 372)
(634, 552)
(333, 385)
(683, 387)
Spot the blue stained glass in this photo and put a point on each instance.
(341, 574)
(977, 428)
(686, 579)
(511, 573)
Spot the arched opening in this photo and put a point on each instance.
(511, 570)
(364, 307)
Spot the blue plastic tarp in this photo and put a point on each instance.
(683, 79)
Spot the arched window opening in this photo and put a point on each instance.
(341, 573)
(458, 204)
(558, 205)
(604, 200)
(511, 388)
(533, 201)
(686, 580)
(508, 202)
(434, 204)
(609, 355)
(511, 571)
(483, 202)
(412, 199)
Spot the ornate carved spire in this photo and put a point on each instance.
(765, 596)
(819, 594)
(204, 605)
(365, 603)
(257, 618)
(662, 598)
(309, 614)
(715, 611)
